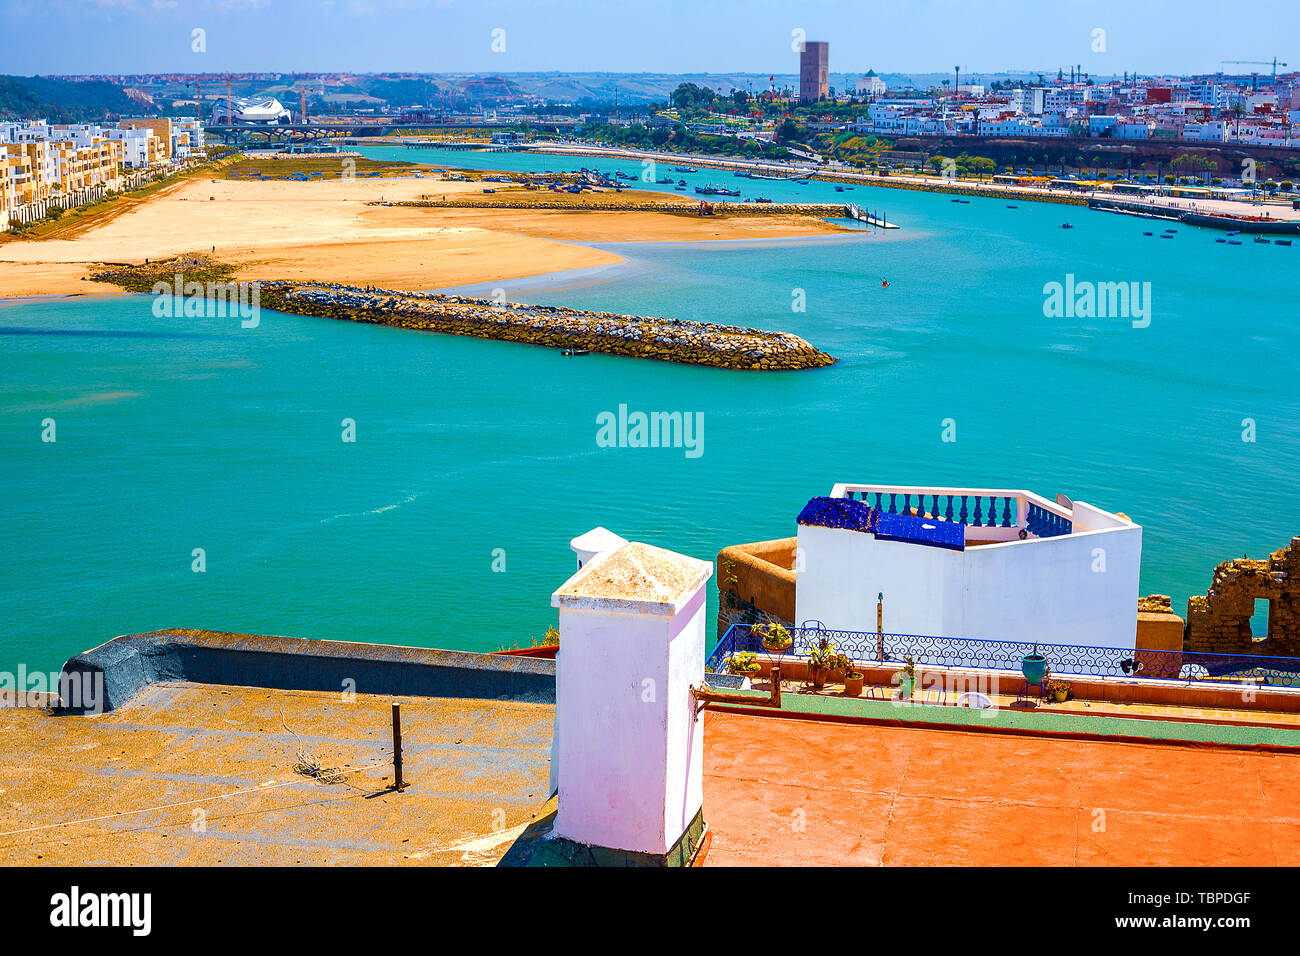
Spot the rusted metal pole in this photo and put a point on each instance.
(397, 747)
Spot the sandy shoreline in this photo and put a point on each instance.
(334, 231)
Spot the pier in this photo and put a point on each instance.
(1279, 227)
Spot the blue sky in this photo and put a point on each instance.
(671, 36)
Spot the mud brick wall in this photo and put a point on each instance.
(1219, 622)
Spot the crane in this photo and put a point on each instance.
(1275, 63)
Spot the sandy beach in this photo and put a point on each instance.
(333, 231)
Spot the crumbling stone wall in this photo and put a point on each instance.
(1219, 622)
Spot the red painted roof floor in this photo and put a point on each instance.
(781, 791)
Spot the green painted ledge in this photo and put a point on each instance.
(1006, 719)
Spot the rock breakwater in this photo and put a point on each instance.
(636, 336)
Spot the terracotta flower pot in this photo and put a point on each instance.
(817, 675)
(853, 685)
(776, 647)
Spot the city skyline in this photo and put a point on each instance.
(451, 36)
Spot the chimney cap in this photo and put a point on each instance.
(596, 541)
(637, 578)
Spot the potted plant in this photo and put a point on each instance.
(775, 638)
(853, 682)
(1033, 666)
(819, 661)
(1057, 690)
(906, 679)
(744, 663)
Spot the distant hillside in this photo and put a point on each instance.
(65, 101)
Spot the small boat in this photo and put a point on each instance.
(680, 187)
(685, 169)
(575, 351)
(716, 191)
(1066, 225)
(1165, 235)
(664, 181)
(489, 190)
(1260, 240)
(1013, 207)
(1148, 233)
(1220, 240)
(1281, 242)
(682, 183)
(839, 189)
(1234, 242)
(764, 199)
(1233, 232)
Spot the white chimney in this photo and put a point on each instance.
(594, 543)
(631, 646)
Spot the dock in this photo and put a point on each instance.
(853, 211)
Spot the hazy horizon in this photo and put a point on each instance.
(639, 36)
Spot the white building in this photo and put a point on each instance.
(983, 563)
(870, 85)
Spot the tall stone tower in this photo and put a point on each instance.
(814, 71)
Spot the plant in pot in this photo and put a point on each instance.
(774, 637)
(819, 661)
(1057, 690)
(906, 679)
(1033, 666)
(744, 663)
(853, 679)
(839, 665)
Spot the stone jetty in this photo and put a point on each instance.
(636, 336)
(683, 207)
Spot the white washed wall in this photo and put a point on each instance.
(1036, 590)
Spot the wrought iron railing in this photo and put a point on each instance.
(1065, 660)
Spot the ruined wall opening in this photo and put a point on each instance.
(1259, 619)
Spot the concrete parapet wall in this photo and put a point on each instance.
(757, 575)
(130, 664)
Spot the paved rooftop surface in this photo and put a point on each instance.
(782, 791)
(478, 770)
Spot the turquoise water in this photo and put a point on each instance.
(178, 435)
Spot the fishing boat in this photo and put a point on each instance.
(664, 180)
(1260, 240)
(716, 191)
(685, 169)
(1148, 233)
(1220, 240)
(839, 189)
(575, 351)
(1165, 235)
(1234, 242)
(1067, 225)
(680, 187)
(1013, 207)
(765, 199)
(1281, 242)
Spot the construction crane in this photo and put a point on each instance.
(1275, 63)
